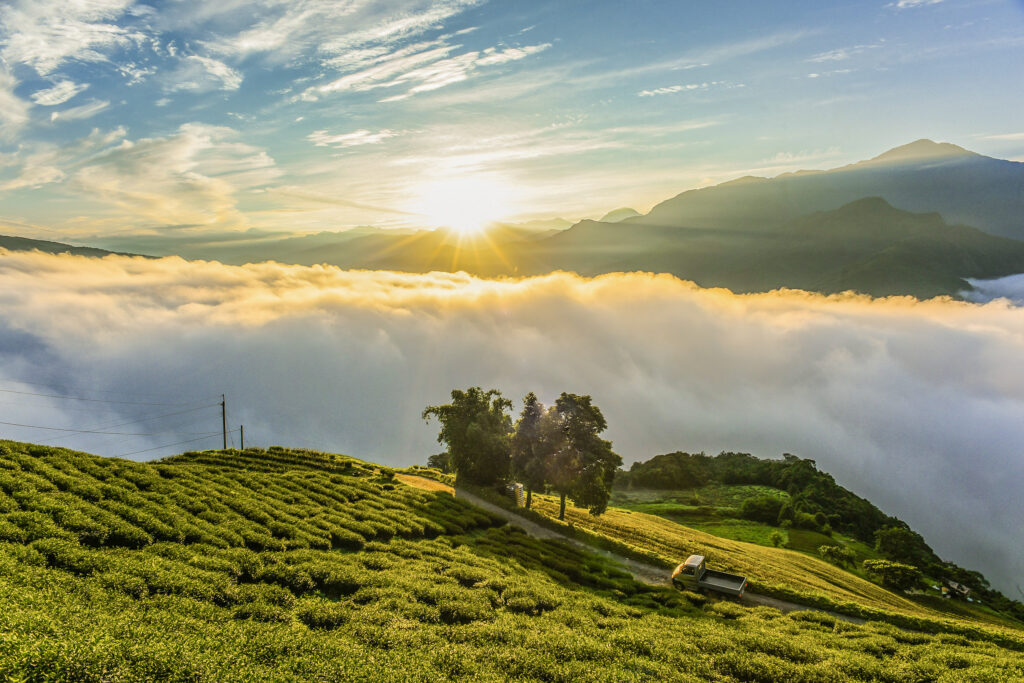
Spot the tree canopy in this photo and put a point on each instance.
(477, 429)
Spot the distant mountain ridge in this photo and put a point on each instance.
(12, 243)
(918, 220)
(963, 186)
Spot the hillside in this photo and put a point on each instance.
(293, 565)
(13, 243)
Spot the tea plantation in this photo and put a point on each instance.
(296, 565)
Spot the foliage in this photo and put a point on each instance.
(536, 441)
(586, 464)
(815, 504)
(837, 555)
(762, 509)
(476, 428)
(900, 544)
(441, 461)
(249, 585)
(894, 574)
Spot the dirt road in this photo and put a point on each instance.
(645, 573)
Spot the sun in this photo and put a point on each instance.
(465, 204)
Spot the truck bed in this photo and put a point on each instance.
(723, 582)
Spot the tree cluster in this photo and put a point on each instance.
(555, 447)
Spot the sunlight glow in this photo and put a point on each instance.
(465, 204)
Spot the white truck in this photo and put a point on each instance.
(693, 575)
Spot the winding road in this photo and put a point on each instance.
(645, 573)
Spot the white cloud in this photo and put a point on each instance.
(61, 92)
(889, 396)
(329, 28)
(689, 87)
(44, 34)
(36, 170)
(907, 4)
(191, 177)
(842, 53)
(13, 109)
(1004, 136)
(322, 138)
(82, 111)
(202, 74)
(415, 69)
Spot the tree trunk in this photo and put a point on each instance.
(561, 508)
(529, 498)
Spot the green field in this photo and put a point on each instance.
(295, 565)
(781, 572)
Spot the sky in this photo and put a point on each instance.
(124, 116)
(914, 405)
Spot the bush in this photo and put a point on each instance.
(764, 509)
(837, 555)
(260, 611)
(322, 615)
(893, 574)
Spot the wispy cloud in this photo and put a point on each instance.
(61, 92)
(1003, 136)
(417, 69)
(842, 53)
(190, 177)
(199, 74)
(13, 109)
(689, 87)
(44, 34)
(908, 4)
(82, 111)
(322, 138)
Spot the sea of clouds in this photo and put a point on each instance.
(916, 406)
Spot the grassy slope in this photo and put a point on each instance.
(773, 571)
(714, 509)
(297, 565)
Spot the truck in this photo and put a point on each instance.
(693, 575)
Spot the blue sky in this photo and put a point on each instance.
(191, 118)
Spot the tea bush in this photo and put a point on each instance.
(226, 566)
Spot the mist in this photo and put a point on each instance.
(914, 405)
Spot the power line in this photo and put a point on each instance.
(145, 419)
(93, 400)
(155, 448)
(49, 385)
(91, 431)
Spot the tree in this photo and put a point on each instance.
(893, 574)
(534, 442)
(777, 538)
(477, 430)
(584, 467)
(441, 461)
(901, 544)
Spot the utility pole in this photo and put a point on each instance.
(224, 419)
(241, 437)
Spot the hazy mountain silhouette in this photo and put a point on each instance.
(963, 186)
(13, 243)
(866, 245)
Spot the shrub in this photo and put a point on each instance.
(763, 509)
(893, 574)
(837, 555)
(123, 582)
(322, 615)
(260, 611)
